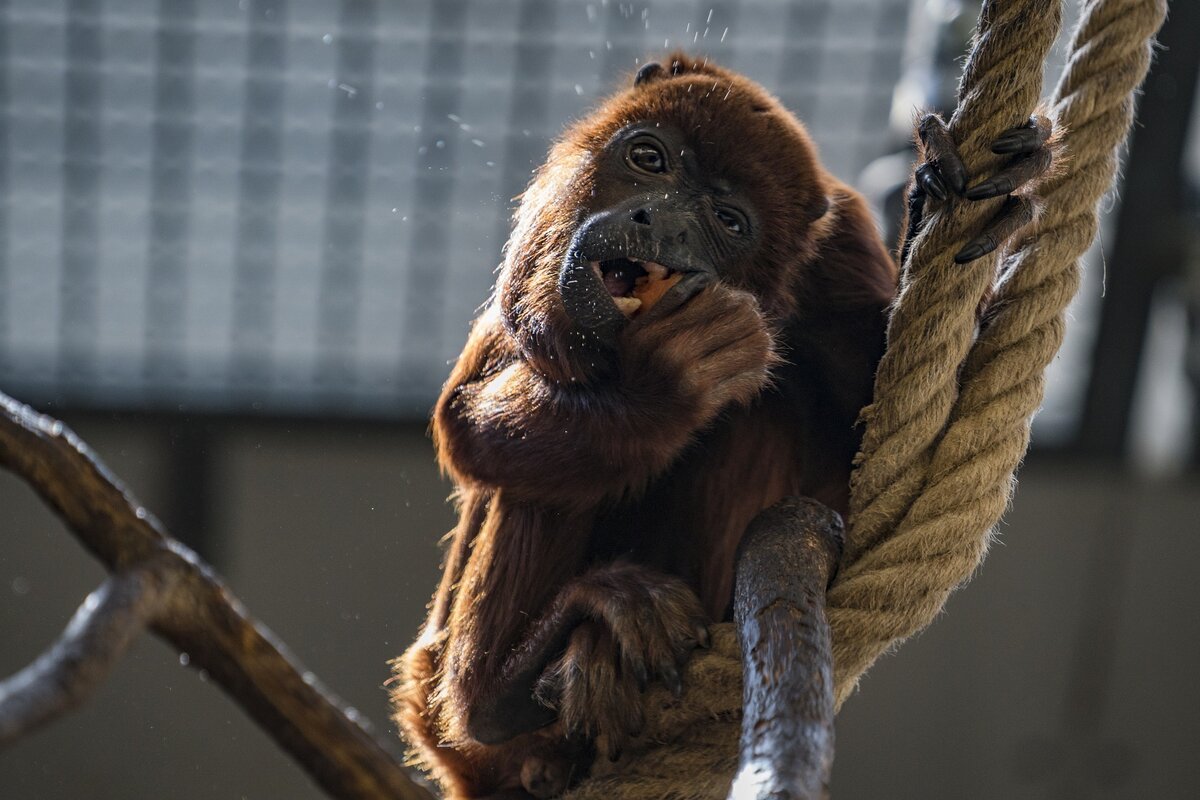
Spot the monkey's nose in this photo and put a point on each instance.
(666, 227)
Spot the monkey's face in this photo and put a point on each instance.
(693, 176)
(658, 225)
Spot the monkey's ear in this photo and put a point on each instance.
(649, 71)
(821, 208)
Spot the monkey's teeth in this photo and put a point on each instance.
(596, 269)
(627, 305)
(655, 271)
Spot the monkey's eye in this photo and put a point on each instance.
(647, 157)
(731, 220)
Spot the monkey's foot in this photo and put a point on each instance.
(1032, 149)
(642, 626)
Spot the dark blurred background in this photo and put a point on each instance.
(240, 243)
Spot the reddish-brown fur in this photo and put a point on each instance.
(620, 487)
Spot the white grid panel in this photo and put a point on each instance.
(297, 206)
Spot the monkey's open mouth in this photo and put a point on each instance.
(635, 285)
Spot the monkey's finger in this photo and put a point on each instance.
(1015, 214)
(1024, 138)
(1022, 170)
(942, 153)
(631, 640)
(931, 182)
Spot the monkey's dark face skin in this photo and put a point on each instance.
(655, 214)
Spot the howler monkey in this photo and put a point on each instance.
(684, 331)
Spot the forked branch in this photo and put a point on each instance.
(161, 584)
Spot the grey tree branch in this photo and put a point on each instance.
(160, 583)
(98, 635)
(784, 567)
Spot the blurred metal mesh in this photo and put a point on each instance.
(297, 206)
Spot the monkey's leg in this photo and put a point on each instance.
(942, 176)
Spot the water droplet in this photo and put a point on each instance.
(327, 38)
(184, 659)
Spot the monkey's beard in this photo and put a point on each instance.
(635, 286)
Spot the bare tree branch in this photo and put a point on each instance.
(98, 635)
(786, 562)
(161, 583)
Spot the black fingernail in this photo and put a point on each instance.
(1007, 144)
(983, 191)
(933, 186)
(969, 253)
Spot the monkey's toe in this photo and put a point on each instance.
(1016, 213)
(1024, 138)
(943, 167)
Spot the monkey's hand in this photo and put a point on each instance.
(585, 661)
(941, 178)
(705, 345)
(639, 626)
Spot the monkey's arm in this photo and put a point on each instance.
(500, 422)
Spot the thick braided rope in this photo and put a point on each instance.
(933, 322)
(898, 586)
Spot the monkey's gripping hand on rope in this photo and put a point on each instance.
(941, 178)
